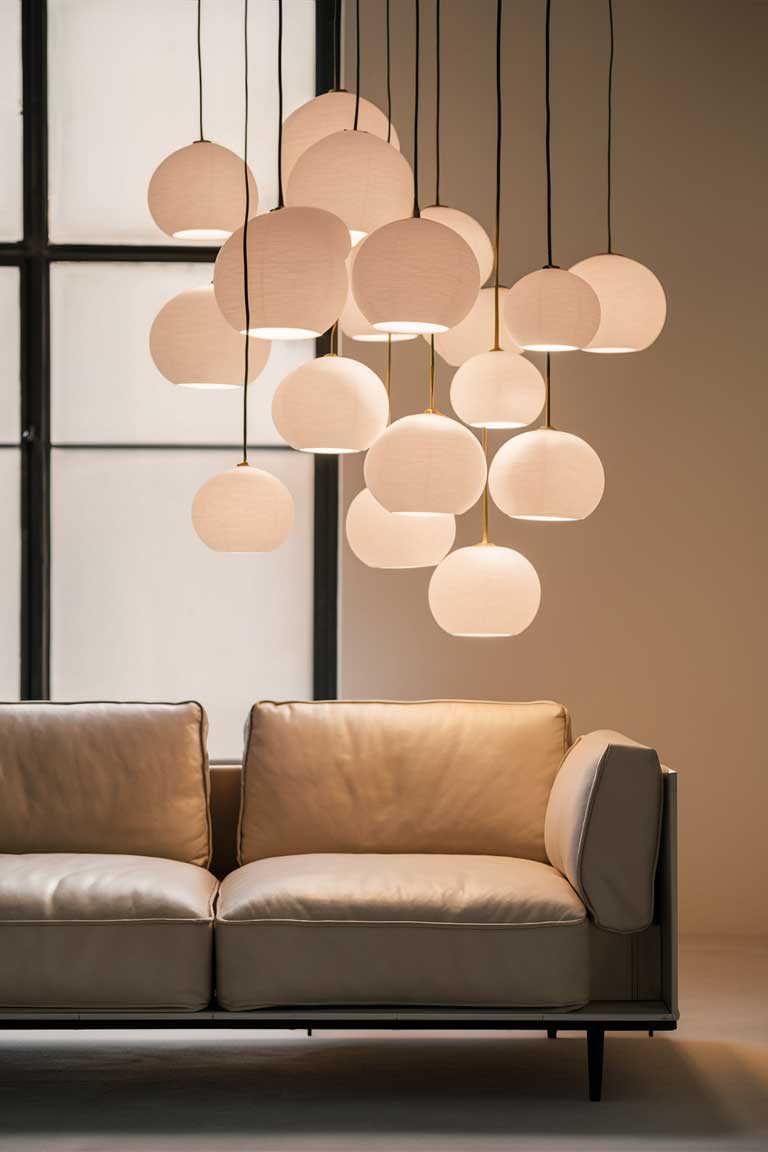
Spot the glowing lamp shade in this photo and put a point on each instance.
(498, 390)
(546, 475)
(633, 306)
(198, 193)
(484, 591)
(384, 539)
(415, 276)
(359, 177)
(332, 112)
(243, 510)
(297, 276)
(469, 230)
(474, 334)
(426, 463)
(551, 310)
(354, 325)
(331, 404)
(192, 344)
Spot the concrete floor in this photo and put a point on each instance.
(705, 1087)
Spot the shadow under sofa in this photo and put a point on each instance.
(436, 864)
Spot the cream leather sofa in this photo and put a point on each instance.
(371, 864)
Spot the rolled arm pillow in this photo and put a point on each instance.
(602, 827)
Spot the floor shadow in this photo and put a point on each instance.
(358, 1090)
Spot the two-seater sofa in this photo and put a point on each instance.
(439, 864)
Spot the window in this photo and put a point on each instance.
(105, 589)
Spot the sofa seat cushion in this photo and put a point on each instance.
(104, 932)
(357, 929)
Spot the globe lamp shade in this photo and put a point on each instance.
(484, 591)
(297, 275)
(498, 390)
(633, 306)
(192, 345)
(551, 310)
(474, 334)
(354, 325)
(546, 475)
(426, 463)
(331, 405)
(415, 276)
(198, 193)
(356, 176)
(382, 539)
(469, 229)
(243, 510)
(332, 112)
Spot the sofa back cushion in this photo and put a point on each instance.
(115, 778)
(467, 777)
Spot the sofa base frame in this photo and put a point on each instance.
(594, 1024)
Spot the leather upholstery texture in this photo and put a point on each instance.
(407, 929)
(102, 777)
(464, 777)
(104, 931)
(602, 827)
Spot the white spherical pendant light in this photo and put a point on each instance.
(546, 475)
(354, 325)
(384, 539)
(551, 310)
(192, 344)
(474, 334)
(426, 463)
(326, 114)
(297, 276)
(633, 306)
(469, 229)
(332, 404)
(484, 591)
(243, 510)
(415, 276)
(498, 389)
(198, 193)
(357, 176)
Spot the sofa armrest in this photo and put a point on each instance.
(602, 827)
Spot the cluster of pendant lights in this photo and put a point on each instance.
(349, 249)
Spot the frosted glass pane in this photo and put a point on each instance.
(10, 573)
(105, 387)
(142, 610)
(10, 394)
(123, 95)
(11, 210)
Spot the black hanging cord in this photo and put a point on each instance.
(389, 83)
(417, 48)
(548, 134)
(200, 69)
(437, 101)
(245, 240)
(357, 63)
(280, 201)
(497, 226)
(548, 395)
(336, 61)
(610, 129)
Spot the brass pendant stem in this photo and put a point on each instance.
(485, 489)
(548, 397)
(333, 339)
(388, 381)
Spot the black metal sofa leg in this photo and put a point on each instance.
(595, 1047)
(552, 1033)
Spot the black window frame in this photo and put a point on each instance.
(33, 255)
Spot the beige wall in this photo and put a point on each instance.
(653, 616)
